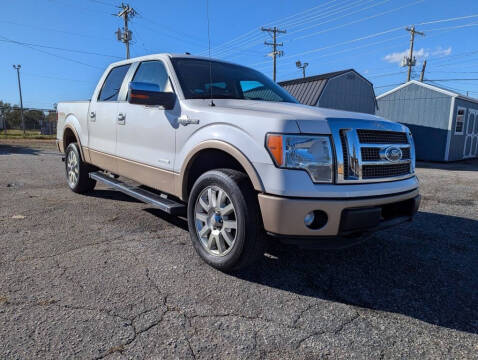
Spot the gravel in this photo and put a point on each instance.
(104, 276)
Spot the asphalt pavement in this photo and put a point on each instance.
(104, 276)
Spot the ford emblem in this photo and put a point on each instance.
(391, 153)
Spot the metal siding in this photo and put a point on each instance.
(426, 112)
(309, 92)
(306, 93)
(351, 94)
(416, 105)
(457, 142)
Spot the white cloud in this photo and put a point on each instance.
(420, 54)
(440, 52)
(397, 57)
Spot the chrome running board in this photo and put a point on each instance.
(159, 201)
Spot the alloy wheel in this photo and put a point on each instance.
(215, 220)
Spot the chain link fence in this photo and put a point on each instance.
(41, 122)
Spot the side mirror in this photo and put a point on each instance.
(149, 94)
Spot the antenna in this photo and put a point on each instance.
(209, 49)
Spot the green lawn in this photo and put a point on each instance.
(29, 134)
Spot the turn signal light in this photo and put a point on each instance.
(274, 145)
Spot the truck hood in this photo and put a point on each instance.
(309, 119)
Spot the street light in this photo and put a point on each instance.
(18, 67)
(299, 65)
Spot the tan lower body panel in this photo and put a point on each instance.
(153, 177)
(59, 146)
(285, 216)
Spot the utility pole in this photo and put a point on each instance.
(410, 61)
(299, 65)
(422, 75)
(18, 67)
(125, 36)
(275, 53)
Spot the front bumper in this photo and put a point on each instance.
(285, 216)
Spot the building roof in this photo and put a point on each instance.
(308, 90)
(436, 88)
(325, 76)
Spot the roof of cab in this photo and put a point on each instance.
(162, 55)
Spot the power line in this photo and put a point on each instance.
(327, 14)
(322, 16)
(58, 48)
(252, 35)
(364, 38)
(468, 79)
(357, 21)
(247, 43)
(53, 30)
(448, 20)
(375, 4)
(370, 36)
(102, 2)
(253, 32)
(49, 53)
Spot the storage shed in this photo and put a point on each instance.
(342, 90)
(444, 123)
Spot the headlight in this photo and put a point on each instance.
(310, 153)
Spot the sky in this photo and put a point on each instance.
(63, 46)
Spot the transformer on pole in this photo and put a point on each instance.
(125, 36)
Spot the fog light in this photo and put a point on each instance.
(316, 219)
(309, 219)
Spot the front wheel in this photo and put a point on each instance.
(77, 172)
(224, 220)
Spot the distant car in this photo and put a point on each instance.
(225, 145)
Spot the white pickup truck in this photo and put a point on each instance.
(226, 146)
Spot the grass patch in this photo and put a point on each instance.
(29, 134)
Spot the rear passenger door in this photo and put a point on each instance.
(102, 117)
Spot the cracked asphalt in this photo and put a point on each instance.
(104, 276)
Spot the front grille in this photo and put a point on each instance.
(362, 154)
(343, 139)
(382, 137)
(384, 171)
(373, 153)
(370, 154)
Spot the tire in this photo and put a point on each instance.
(226, 239)
(77, 171)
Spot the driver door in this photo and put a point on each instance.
(145, 144)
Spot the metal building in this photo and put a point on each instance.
(444, 123)
(342, 90)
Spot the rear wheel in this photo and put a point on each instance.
(224, 220)
(77, 172)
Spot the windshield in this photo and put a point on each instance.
(228, 81)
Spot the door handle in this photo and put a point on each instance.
(92, 116)
(185, 120)
(121, 119)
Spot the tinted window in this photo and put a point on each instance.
(254, 90)
(202, 78)
(153, 72)
(112, 85)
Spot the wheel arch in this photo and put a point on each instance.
(214, 150)
(71, 135)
